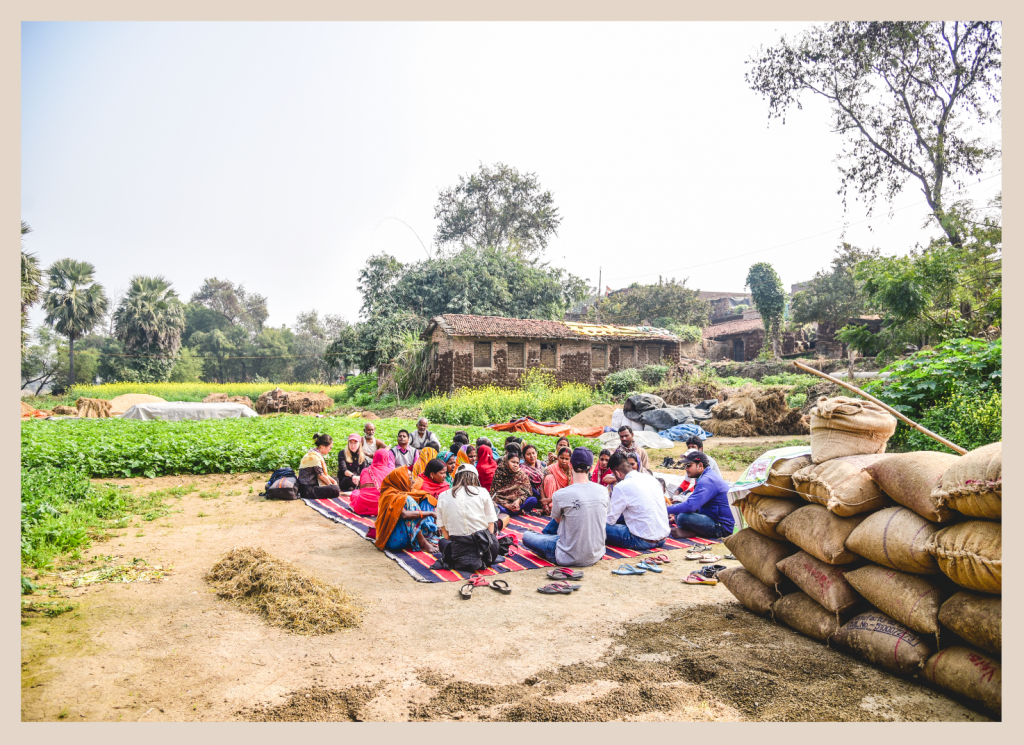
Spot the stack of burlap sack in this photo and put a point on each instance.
(897, 558)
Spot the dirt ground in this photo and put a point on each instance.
(627, 648)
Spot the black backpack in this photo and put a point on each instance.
(283, 484)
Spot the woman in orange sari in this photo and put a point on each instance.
(559, 476)
(400, 525)
(431, 484)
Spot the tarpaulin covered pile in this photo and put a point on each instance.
(651, 410)
(178, 411)
(554, 429)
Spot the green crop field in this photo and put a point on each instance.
(105, 448)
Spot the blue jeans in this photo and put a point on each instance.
(619, 535)
(541, 543)
(700, 524)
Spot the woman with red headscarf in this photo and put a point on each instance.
(485, 466)
(364, 500)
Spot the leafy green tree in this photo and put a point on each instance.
(665, 304)
(225, 325)
(233, 303)
(41, 359)
(835, 294)
(313, 336)
(769, 300)
(400, 299)
(941, 292)
(74, 302)
(905, 96)
(31, 283)
(150, 320)
(188, 367)
(497, 207)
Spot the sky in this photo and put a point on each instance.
(281, 155)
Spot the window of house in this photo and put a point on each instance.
(598, 356)
(516, 354)
(654, 354)
(626, 356)
(481, 354)
(548, 356)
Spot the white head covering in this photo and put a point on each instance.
(466, 467)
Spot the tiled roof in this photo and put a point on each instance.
(528, 328)
(733, 327)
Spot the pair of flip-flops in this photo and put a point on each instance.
(565, 573)
(627, 570)
(558, 588)
(466, 591)
(701, 557)
(695, 578)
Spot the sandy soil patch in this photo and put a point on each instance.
(631, 648)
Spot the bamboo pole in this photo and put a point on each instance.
(869, 397)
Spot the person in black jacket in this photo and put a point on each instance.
(351, 462)
(468, 521)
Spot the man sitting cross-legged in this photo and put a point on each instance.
(576, 534)
(637, 518)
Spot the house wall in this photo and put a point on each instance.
(454, 366)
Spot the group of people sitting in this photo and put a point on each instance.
(456, 503)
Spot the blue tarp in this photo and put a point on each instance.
(683, 432)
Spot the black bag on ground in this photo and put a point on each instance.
(283, 484)
(469, 553)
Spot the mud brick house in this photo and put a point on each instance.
(739, 340)
(470, 351)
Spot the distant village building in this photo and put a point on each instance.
(470, 351)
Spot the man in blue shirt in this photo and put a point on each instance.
(706, 511)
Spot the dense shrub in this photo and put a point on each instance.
(490, 404)
(359, 390)
(929, 385)
(654, 374)
(968, 419)
(623, 381)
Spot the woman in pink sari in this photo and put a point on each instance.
(364, 499)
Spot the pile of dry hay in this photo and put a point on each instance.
(295, 402)
(286, 595)
(223, 398)
(825, 388)
(93, 408)
(683, 386)
(752, 412)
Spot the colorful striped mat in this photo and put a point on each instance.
(417, 563)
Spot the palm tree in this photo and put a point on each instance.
(31, 283)
(150, 317)
(74, 302)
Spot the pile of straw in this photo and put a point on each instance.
(286, 595)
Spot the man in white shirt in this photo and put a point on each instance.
(575, 537)
(637, 516)
(370, 442)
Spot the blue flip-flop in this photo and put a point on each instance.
(628, 569)
(649, 567)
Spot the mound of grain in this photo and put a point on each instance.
(65, 411)
(599, 415)
(294, 402)
(286, 595)
(122, 403)
(26, 409)
(93, 408)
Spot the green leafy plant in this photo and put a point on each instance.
(654, 374)
(490, 404)
(623, 381)
(770, 301)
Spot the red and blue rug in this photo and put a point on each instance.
(418, 563)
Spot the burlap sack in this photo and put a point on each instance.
(842, 486)
(911, 599)
(897, 538)
(885, 643)
(754, 594)
(977, 618)
(824, 583)
(764, 513)
(973, 485)
(969, 673)
(971, 554)
(910, 479)
(799, 612)
(820, 533)
(759, 554)
(780, 478)
(848, 426)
